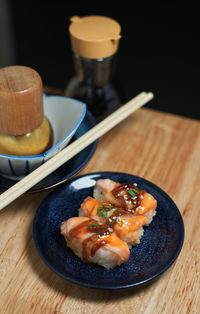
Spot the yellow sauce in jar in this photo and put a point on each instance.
(33, 143)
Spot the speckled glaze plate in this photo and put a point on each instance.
(160, 245)
(66, 171)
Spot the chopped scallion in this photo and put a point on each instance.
(94, 225)
(132, 192)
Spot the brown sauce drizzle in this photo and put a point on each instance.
(112, 219)
(98, 239)
(121, 193)
(80, 227)
(98, 245)
(101, 232)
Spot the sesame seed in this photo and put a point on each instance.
(110, 229)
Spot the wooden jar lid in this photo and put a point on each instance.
(21, 100)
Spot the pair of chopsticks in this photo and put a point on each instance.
(70, 151)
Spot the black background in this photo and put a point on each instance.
(158, 51)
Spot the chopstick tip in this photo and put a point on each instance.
(151, 95)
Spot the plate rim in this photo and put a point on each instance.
(117, 287)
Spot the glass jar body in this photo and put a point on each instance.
(95, 84)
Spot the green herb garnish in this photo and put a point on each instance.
(101, 231)
(94, 239)
(94, 225)
(103, 210)
(116, 210)
(132, 192)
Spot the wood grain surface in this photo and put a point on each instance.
(160, 147)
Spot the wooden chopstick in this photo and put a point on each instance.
(70, 151)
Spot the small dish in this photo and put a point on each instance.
(65, 115)
(69, 169)
(160, 245)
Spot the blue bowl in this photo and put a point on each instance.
(65, 115)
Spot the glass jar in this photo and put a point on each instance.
(95, 42)
(95, 85)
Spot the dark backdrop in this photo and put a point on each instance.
(158, 51)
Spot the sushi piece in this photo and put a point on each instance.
(127, 196)
(128, 227)
(93, 242)
(103, 191)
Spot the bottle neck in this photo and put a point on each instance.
(95, 72)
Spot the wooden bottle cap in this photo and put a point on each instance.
(21, 100)
(94, 36)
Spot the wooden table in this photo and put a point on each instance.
(160, 147)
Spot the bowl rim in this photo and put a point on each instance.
(64, 139)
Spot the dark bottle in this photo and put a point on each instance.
(95, 41)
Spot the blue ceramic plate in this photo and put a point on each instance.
(66, 171)
(160, 245)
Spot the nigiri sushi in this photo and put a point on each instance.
(127, 196)
(93, 242)
(128, 227)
